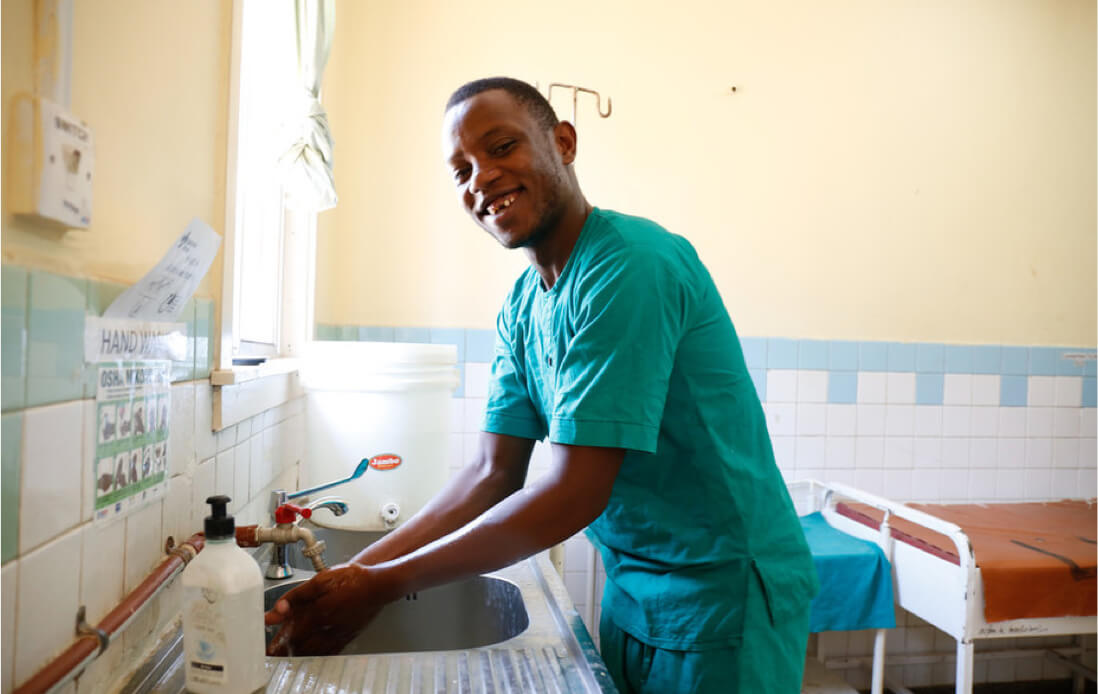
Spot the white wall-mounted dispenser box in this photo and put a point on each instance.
(50, 171)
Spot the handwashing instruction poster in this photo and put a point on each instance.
(132, 404)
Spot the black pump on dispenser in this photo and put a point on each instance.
(220, 525)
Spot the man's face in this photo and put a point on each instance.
(508, 169)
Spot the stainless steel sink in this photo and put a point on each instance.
(476, 612)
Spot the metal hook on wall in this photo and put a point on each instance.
(575, 98)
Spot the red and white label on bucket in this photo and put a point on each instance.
(385, 461)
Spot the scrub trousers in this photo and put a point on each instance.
(768, 660)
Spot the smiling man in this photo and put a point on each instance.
(615, 345)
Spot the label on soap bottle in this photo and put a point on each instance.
(204, 628)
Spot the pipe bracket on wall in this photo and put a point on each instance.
(85, 629)
(575, 98)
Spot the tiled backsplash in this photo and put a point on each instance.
(914, 422)
(54, 558)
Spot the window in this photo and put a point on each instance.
(269, 249)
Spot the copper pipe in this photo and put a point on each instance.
(246, 536)
(82, 651)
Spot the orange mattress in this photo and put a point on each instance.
(1037, 559)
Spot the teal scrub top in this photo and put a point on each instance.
(633, 348)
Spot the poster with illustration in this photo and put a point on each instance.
(132, 402)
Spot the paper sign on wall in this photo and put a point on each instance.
(133, 403)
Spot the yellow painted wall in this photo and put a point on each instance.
(150, 77)
(904, 170)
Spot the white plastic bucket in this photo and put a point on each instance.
(388, 402)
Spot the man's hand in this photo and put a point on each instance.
(321, 616)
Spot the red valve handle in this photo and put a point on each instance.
(288, 513)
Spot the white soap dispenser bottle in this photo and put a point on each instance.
(223, 644)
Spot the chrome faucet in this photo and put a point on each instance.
(288, 531)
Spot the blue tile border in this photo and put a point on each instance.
(14, 285)
(1013, 390)
(480, 345)
(873, 356)
(758, 376)
(929, 388)
(813, 354)
(754, 352)
(1090, 393)
(842, 387)
(902, 356)
(781, 353)
(843, 356)
(929, 358)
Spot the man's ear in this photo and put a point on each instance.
(564, 136)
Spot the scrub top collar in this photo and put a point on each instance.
(552, 292)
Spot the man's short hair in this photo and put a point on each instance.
(530, 98)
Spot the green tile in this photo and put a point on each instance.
(203, 337)
(100, 296)
(55, 338)
(11, 450)
(326, 331)
(13, 332)
(184, 370)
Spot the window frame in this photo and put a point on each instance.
(297, 258)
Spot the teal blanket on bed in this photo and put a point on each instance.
(855, 580)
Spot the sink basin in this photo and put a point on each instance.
(475, 612)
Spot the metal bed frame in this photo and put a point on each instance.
(948, 596)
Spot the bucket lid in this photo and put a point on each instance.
(378, 366)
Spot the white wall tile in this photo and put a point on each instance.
(1038, 452)
(9, 585)
(811, 386)
(51, 497)
(984, 421)
(203, 486)
(985, 389)
(1088, 453)
(872, 388)
(243, 490)
(901, 389)
(1088, 482)
(899, 420)
(1012, 421)
(956, 452)
(781, 419)
(899, 452)
(954, 484)
(811, 419)
(1065, 453)
(956, 420)
(810, 453)
(871, 420)
(1041, 391)
(101, 571)
(869, 452)
(1065, 422)
(1039, 421)
(144, 544)
(924, 485)
(1069, 391)
(87, 460)
(181, 428)
(781, 385)
(225, 477)
(226, 438)
(1012, 452)
(897, 484)
(260, 463)
(177, 510)
(205, 442)
(927, 453)
(48, 595)
(474, 414)
(957, 389)
(839, 452)
(1037, 484)
(1010, 484)
(476, 379)
(928, 420)
(983, 453)
(785, 451)
(842, 419)
(982, 484)
(1088, 422)
(870, 480)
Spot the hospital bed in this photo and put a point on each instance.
(1034, 576)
